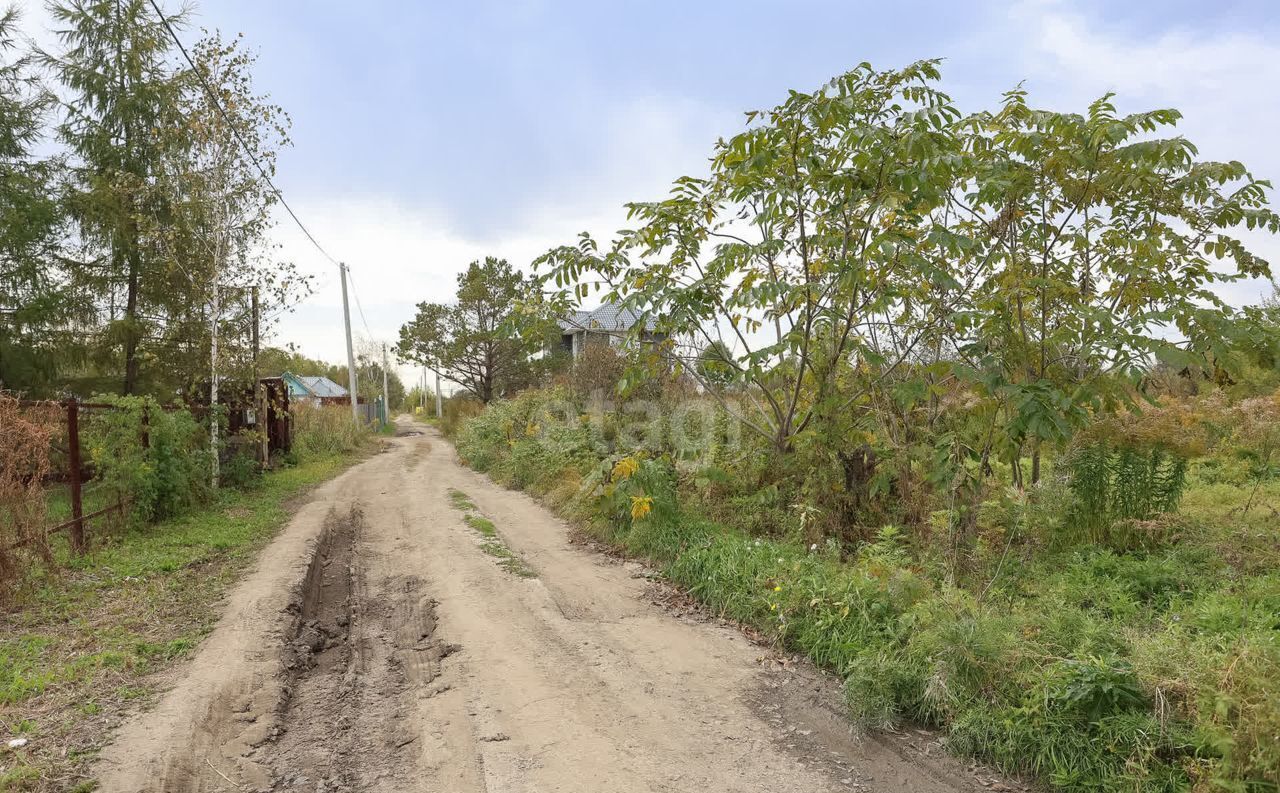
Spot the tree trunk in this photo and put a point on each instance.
(131, 323)
(859, 468)
(213, 387)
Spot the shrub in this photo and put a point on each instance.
(1151, 664)
(240, 470)
(25, 436)
(596, 371)
(167, 475)
(1113, 484)
(1256, 440)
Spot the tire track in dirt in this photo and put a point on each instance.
(352, 659)
(377, 647)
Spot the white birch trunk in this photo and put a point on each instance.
(213, 386)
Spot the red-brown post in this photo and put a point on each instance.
(73, 460)
(146, 426)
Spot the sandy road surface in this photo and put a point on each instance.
(378, 647)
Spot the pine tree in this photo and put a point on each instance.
(116, 64)
(36, 306)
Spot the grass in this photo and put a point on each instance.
(490, 542)
(83, 645)
(92, 498)
(460, 500)
(482, 525)
(1152, 667)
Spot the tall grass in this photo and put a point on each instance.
(1119, 666)
(321, 431)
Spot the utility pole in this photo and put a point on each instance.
(351, 357)
(424, 389)
(386, 407)
(439, 407)
(260, 407)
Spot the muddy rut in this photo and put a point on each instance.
(417, 628)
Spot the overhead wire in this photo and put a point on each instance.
(354, 293)
(235, 130)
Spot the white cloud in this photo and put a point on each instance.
(402, 254)
(1223, 83)
(1212, 69)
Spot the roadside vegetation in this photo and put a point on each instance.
(84, 637)
(1094, 651)
(490, 542)
(949, 403)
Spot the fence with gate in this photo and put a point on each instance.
(72, 499)
(54, 467)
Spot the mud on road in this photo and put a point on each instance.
(382, 643)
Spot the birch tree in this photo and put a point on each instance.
(219, 148)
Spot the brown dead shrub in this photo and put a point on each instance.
(25, 436)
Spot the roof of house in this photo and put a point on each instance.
(317, 386)
(608, 318)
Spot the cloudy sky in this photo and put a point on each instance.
(430, 133)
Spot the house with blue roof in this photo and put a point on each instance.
(317, 390)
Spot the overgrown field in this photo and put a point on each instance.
(83, 638)
(1075, 635)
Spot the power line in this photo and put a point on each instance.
(235, 130)
(252, 156)
(359, 308)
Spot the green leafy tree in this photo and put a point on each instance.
(121, 86)
(1097, 244)
(38, 311)
(482, 341)
(816, 243)
(212, 232)
(903, 284)
(213, 157)
(274, 361)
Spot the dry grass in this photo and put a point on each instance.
(25, 436)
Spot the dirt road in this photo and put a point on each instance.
(382, 643)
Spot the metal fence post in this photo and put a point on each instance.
(73, 457)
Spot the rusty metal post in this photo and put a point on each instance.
(73, 459)
(146, 426)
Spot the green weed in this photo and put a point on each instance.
(1149, 660)
(490, 542)
(77, 650)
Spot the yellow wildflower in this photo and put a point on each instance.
(641, 506)
(625, 468)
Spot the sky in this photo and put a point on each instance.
(427, 134)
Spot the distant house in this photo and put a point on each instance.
(609, 324)
(317, 390)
